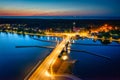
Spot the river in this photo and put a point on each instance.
(16, 63)
(90, 67)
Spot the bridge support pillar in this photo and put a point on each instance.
(65, 49)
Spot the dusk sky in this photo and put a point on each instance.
(60, 8)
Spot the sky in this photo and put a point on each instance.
(102, 8)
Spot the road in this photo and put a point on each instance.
(41, 73)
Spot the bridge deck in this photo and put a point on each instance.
(40, 72)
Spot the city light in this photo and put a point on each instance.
(84, 34)
(64, 57)
(47, 74)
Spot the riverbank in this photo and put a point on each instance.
(25, 33)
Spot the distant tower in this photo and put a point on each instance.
(74, 23)
(74, 26)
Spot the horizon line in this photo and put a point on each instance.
(63, 17)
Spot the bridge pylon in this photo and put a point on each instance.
(67, 47)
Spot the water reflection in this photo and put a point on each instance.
(96, 40)
(89, 67)
(16, 63)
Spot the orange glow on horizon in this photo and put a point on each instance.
(36, 12)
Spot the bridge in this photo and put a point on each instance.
(41, 73)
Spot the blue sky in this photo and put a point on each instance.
(60, 8)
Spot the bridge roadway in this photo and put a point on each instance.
(41, 73)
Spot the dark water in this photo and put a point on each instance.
(89, 67)
(15, 63)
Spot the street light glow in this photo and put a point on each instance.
(47, 74)
(64, 57)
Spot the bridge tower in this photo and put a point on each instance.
(67, 47)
